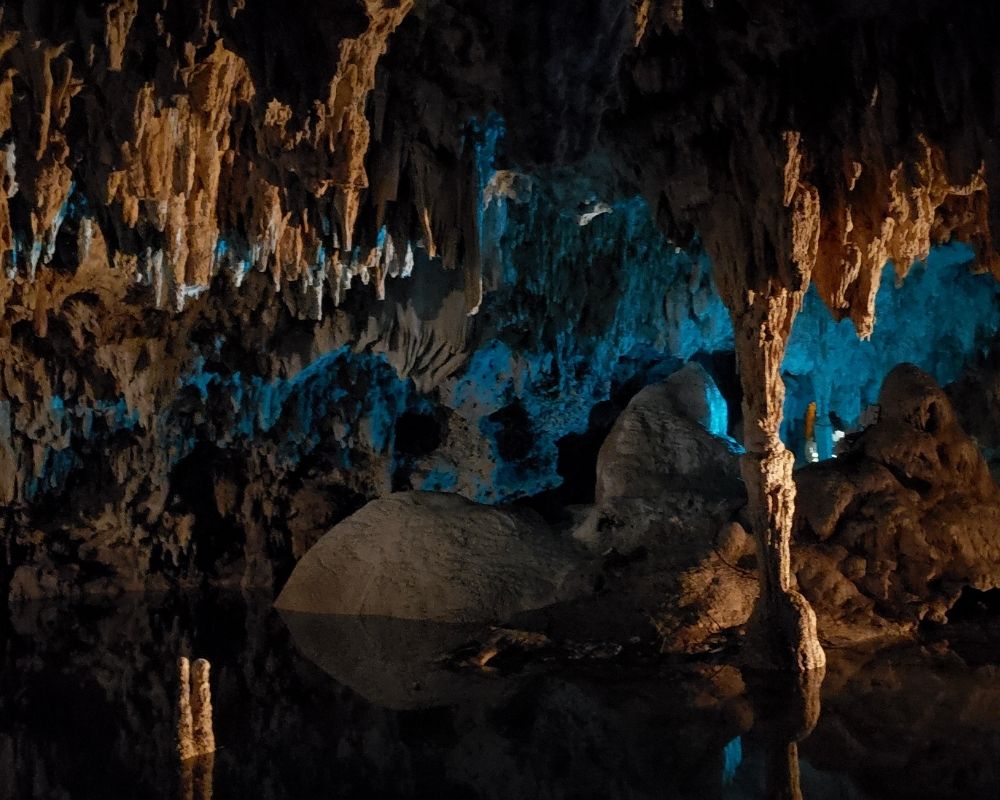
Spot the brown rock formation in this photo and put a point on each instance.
(195, 143)
(437, 557)
(850, 190)
(195, 732)
(895, 528)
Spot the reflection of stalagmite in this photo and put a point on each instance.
(195, 736)
(196, 777)
(786, 713)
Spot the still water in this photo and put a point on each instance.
(314, 708)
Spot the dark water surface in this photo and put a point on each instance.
(87, 699)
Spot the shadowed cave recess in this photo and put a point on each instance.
(630, 334)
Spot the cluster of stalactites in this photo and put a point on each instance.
(658, 13)
(188, 197)
(892, 214)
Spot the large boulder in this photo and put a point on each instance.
(691, 393)
(668, 494)
(660, 443)
(891, 532)
(430, 556)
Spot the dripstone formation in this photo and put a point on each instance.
(257, 257)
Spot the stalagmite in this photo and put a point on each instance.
(195, 734)
(185, 722)
(784, 625)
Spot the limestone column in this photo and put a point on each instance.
(783, 628)
(195, 734)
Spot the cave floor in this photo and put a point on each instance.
(87, 699)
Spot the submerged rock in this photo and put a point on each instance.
(431, 556)
(393, 663)
(893, 530)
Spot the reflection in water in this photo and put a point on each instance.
(88, 709)
(786, 710)
(196, 777)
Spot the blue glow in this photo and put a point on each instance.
(732, 757)
(619, 262)
(346, 399)
(439, 480)
(939, 319)
(718, 411)
(72, 420)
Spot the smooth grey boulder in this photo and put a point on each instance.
(691, 393)
(655, 447)
(430, 556)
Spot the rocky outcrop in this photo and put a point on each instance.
(678, 563)
(188, 192)
(435, 557)
(668, 492)
(891, 531)
(661, 441)
(659, 554)
(976, 398)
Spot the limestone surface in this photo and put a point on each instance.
(439, 557)
(660, 441)
(889, 533)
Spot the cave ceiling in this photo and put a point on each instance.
(798, 140)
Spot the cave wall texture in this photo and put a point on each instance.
(263, 262)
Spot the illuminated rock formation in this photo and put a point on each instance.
(437, 557)
(264, 263)
(818, 186)
(893, 530)
(195, 733)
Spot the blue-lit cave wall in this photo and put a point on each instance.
(586, 301)
(577, 312)
(939, 318)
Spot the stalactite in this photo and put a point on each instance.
(118, 17)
